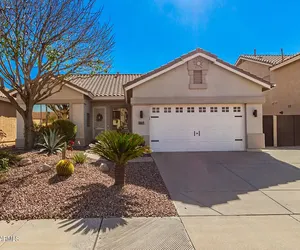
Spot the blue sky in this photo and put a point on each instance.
(149, 33)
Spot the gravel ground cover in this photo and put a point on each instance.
(88, 193)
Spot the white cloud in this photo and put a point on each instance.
(195, 12)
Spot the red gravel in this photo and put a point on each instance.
(88, 193)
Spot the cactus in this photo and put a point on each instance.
(64, 168)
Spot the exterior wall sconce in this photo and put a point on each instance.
(141, 114)
(255, 112)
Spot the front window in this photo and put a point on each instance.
(46, 114)
(120, 119)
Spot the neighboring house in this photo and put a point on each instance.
(195, 103)
(39, 118)
(7, 121)
(282, 108)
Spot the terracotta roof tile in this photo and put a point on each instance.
(288, 58)
(103, 85)
(270, 59)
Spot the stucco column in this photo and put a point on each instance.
(141, 125)
(254, 127)
(20, 140)
(77, 117)
(275, 143)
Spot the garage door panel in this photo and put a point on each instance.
(175, 146)
(216, 129)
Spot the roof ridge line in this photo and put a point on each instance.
(266, 55)
(104, 74)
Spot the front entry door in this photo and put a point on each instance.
(99, 120)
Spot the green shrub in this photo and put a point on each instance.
(12, 158)
(64, 168)
(80, 158)
(119, 148)
(66, 128)
(52, 142)
(4, 164)
(39, 130)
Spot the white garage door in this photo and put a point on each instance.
(197, 128)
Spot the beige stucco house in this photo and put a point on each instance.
(7, 121)
(196, 102)
(282, 107)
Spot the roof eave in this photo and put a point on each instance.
(261, 82)
(251, 60)
(193, 55)
(286, 62)
(137, 82)
(106, 98)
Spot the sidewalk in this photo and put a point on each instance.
(89, 234)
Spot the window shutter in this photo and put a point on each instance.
(197, 77)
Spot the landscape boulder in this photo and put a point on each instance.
(25, 162)
(44, 168)
(104, 167)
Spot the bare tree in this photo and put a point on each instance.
(60, 110)
(43, 42)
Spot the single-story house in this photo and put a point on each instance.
(7, 121)
(281, 111)
(196, 102)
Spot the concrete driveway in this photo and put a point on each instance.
(236, 200)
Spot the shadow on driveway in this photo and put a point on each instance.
(232, 183)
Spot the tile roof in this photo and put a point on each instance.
(179, 59)
(103, 85)
(270, 59)
(288, 60)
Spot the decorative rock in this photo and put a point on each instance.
(44, 168)
(104, 168)
(3, 179)
(25, 162)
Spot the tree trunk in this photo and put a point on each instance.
(28, 129)
(119, 175)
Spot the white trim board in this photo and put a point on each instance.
(67, 85)
(244, 75)
(108, 98)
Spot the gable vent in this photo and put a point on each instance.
(197, 76)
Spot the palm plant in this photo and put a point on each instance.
(119, 148)
(52, 142)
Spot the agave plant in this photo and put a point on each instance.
(52, 142)
(119, 148)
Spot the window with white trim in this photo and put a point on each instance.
(213, 109)
(237, 109)
(197, 76)
(225, 109)
(167, 109)
(202, 109)
(179, 110)
(155, 110)
(190, 109)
